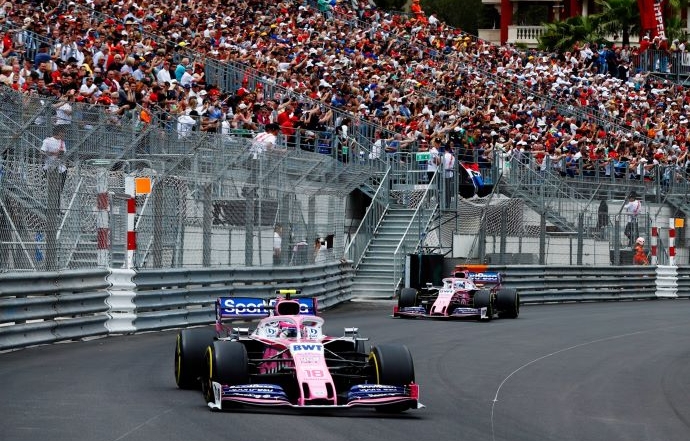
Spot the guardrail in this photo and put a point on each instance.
(545, 284)
(47, 307)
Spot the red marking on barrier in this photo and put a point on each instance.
(131, 240)
(131, 206)
(103, 238)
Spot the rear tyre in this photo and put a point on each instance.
(508, 303)
(227, 363)
(391, 365)
(482, 298)
(189, 356)
(408, 298)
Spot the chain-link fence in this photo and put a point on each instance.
(541, 217)
(213, 202)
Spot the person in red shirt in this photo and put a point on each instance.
(286, 121)
(416, 9)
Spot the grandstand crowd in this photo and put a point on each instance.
(409, 74)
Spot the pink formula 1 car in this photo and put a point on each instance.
(467, 294)
(287, 361)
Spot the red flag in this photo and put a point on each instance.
(651, 18)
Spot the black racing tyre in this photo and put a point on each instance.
(482, 298)
(408, 298)
(391, 365)
(189, 356)
(508, 303)
(227, 363)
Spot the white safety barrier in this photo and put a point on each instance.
(121, 301)
(667, 281)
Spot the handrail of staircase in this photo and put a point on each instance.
(428, 201)
(358, 244)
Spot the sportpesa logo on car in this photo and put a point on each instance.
(488, 276)
(241, 306)
(252, 306)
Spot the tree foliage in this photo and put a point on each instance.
(619, 17)
(562, 35)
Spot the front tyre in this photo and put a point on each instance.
(408, 298)
(508, 303)
(391, 365)
(482, 299)
(227, 363)
(189, 356)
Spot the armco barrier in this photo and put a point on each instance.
(38, 308)
(47, 307)
(543, 284)
(173, 298)
(683, 281)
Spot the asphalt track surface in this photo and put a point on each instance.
(585, 372)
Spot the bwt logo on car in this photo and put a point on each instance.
(296, 348)
(231, 307)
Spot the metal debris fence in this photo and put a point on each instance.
(212, 202)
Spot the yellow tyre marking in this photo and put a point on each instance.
(209, 357)
(372, 356)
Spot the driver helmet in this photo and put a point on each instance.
(288, 330)
(640, 241)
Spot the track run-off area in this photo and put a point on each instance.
(580, 371)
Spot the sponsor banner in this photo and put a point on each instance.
(256, 307)
(652, 18)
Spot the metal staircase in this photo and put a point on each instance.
(375, 274)
(394, 226)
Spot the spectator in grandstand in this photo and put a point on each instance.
(266, 140)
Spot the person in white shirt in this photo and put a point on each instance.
(63, 109)
(633, 208)
(53, 148)
(448, 167)
(163, 75)
(88, 88)
(185, 124)
(265, 140)
(187, 76)
(434, 159)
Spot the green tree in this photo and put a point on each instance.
(619, 17)
(562, 35)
